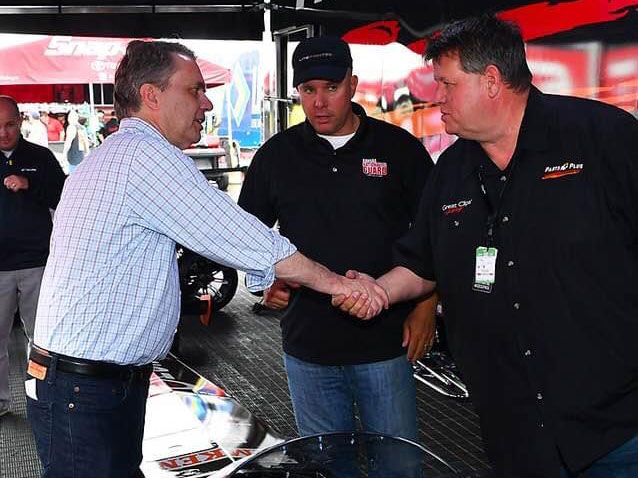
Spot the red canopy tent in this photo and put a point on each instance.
(50, 60)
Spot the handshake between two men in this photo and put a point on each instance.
(361, 296)
(356, 293)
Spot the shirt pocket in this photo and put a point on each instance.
(565, 209)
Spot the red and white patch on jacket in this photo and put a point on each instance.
(371, 167)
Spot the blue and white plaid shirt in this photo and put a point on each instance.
(110, 290)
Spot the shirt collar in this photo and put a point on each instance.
(310, 135)
(18, 147)
(534, 132)
(532, 136)
(138, 124)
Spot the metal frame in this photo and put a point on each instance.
(281, 59)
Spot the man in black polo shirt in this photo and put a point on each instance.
(344, 188)
(529, 225)
(32, 181)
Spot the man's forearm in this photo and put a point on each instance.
(298, 268)
(402, 284)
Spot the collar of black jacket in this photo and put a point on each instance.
(310, 135)
(533, 134)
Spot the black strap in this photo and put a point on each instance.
(493, 210)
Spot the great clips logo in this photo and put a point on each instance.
(567, 169)
(456, 207)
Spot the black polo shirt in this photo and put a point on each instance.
(25, 219)
(550, 354)
(343, 208)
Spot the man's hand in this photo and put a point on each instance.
(367, 298)
(15, 183)
(277, 295)
(419, 328)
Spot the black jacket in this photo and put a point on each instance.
(550, 354)
(25, 218)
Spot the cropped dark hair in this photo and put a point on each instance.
(483, 41)
(12, 102)
(144, 62)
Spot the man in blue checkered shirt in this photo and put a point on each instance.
(109, 303)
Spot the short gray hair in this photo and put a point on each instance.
(144, 62)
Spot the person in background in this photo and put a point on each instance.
(343, 187)
(110, 127)
(55, 131)
(76, 141)
(31, 184)
(37, 130)
(109, 303)
(529, 226)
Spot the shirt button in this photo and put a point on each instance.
(528, 352)
(510, 263)
(71, 406)
(541, 425)
(517, 305)
(503, 178)
(334, 170)
(539, 396)
(505, 219)
(76, 389)
(456, 223)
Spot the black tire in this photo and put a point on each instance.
(199, 276)
(222, 182)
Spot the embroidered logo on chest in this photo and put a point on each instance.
(567, 169)
(456, 207)
(371, 167)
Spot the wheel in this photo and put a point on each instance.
(222, 182)
(199, 276)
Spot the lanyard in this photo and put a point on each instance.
(493, 209)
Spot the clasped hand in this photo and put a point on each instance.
(15, 183)
(365, 297)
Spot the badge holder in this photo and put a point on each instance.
(485, 270)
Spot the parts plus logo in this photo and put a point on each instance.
(456, 207)
(567, 169)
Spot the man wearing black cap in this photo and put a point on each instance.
(343, 187)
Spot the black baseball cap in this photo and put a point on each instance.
(320, 58)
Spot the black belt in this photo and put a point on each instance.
(92, 368)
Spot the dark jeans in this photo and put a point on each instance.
(619, 463)
(89, 426)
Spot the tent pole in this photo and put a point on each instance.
(91, 100)
(229, 115)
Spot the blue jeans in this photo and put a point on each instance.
(323, 397)
(619, 463)
(88, 426)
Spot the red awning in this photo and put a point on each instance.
(68, 60)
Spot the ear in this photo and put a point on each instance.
(354, 81)
(149, 94)
(493, 80)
